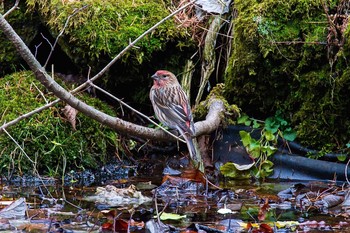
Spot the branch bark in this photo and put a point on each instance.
(122, 126)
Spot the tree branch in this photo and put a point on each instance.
(212, 122)
(12, 9)
(98, 75)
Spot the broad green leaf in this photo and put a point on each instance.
(348, 145)
(269, 150)
(245, 137)
(256, 124)
(342, 157)
(230, 170)
(242, 119)
(289, 134)
(254, 145)
(271, 125)
(269, 136)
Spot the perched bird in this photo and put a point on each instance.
(172, 108)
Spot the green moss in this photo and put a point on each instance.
(104, 28)
(46, 137)
(279, 62)
(10, 61)
(231, 110)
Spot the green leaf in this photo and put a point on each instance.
(230, 170)
(289, 134)
(269, 150)
(248, 123)
(256, 124)
(269, 136)
(342, 157)
(171, 216)
(271, 125)
(245, 138)
(348, 145)
(242, 119)
(267, 166)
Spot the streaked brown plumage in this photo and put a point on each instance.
(171, 106)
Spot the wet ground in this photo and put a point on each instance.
(184, 205)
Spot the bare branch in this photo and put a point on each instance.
(86, 85)
(61, 33)
(12, 9)
(134, 110)
(112, 122)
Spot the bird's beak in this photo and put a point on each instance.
(155, 77)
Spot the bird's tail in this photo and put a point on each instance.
(191, 147)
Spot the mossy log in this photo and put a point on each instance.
(209, 57)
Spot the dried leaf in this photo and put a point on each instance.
(265, 228)
(263, 210)
(71, 114)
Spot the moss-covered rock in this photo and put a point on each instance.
(280, 61)
(46, 137)
(10, 61)
(104, 28)
(101, 30)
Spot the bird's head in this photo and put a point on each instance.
(163, 78)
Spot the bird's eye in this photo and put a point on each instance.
(164, 76)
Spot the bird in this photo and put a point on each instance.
(172, 108)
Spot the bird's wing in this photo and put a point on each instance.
(176, 110)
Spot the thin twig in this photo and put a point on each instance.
(134, 110)
(98, 75)
(19, 147)
(12, 9)
(40, 92)
(29, 114)
(61, 33)
(36, 48)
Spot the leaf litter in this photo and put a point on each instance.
(180, 203)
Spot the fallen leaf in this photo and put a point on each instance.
(71, 114)
(171, 216)
(263, 210)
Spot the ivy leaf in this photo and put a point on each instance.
(289, 134)
(269, 136)
(230, 170)
(245, 137)
(243, 119)
(256, 124)
(270, 150)
(342, 157)
(271, 125)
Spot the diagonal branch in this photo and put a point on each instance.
(112, 122)
(98, 75)
(12, 9)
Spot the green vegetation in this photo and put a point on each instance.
(47, 138)
(104, 28)
(280, 61)
(10, 61)
(261, 149)
(101, 29)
